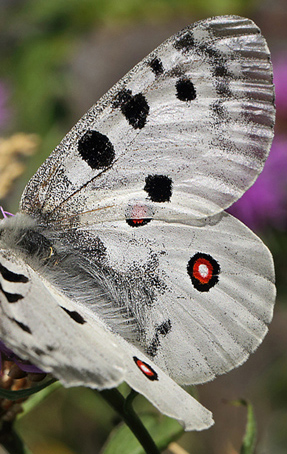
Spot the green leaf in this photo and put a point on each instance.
(162, 429)
(249, 439)
(21, 394)
(38, 397)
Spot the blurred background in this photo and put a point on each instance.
(57, 58)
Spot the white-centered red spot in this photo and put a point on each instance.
(147, 370)
(203, 270)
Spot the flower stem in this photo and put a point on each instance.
(124, 408)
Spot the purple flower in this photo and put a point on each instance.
(26, 367)
(280, 82)
(265, 203)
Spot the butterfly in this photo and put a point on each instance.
(122, 264)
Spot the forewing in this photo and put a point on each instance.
(185, 132)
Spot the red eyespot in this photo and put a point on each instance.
(203, 271)
(147, 370)
(137, 222)
(138, 214)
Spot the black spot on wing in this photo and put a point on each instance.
(219, 110)
(75, 316)
(122, 97)
(11, 297)
(156, 66)
(209, 51)
(185, 43)
(96, 149)
(153, 347)
(39, 351)
(223, 89)
(219, 69)
(22, 326)
(185, 90)
(134, 107)
(164, 328)
(161, 330)
(158, 187)
(12, 277)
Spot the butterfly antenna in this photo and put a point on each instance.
(4, 213)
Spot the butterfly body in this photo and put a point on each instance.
(132, 269)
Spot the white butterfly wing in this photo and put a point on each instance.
(184, 133)
(62, 337)
(183, 324)
(201, 296)
(162, 293)
(36, 324)
(149, 380)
